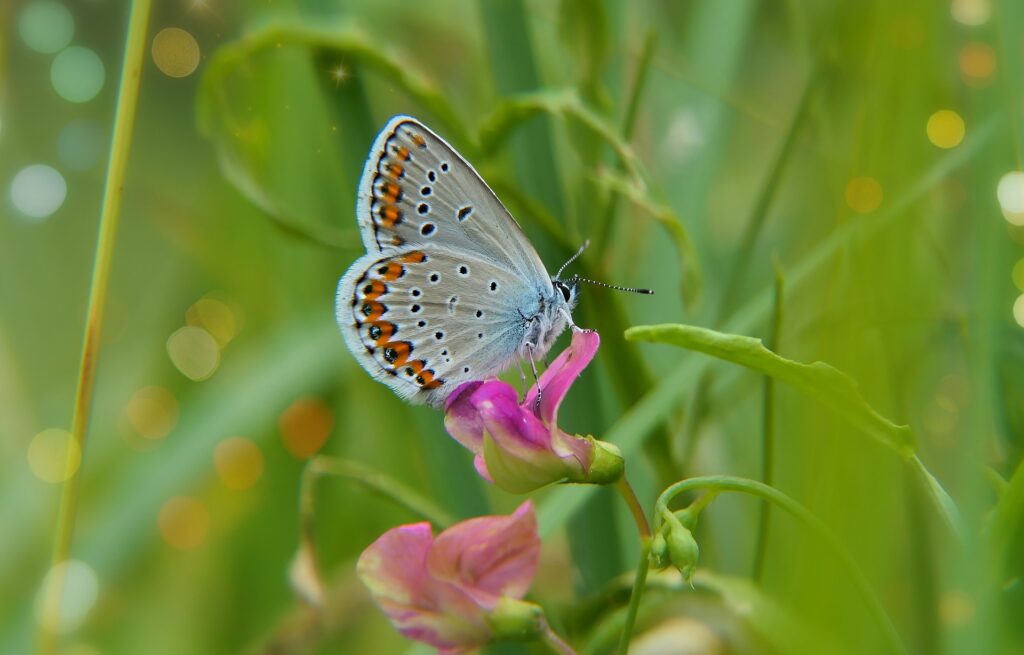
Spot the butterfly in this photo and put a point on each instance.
(450, 289)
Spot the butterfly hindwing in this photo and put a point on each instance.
(426, 320)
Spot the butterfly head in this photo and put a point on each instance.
(567, 290)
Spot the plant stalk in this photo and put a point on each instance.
(113, 192)
(635, 508)
(634, 598)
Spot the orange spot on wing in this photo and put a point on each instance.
(372, 310)
(401, 349)
(374, 289)
(395, 171)
(394, 271)
(391, 191)
(419, 140)
(403, 153)
(387, 330)
(391, 215)
(414, 367)
(415, 257)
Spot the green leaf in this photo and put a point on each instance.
(283, 155)
(831, 387)
(583, 28)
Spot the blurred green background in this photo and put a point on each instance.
(867, 150)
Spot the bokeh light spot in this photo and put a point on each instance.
(239, 462)
(971, 12)
(46, 26)
(184, 522)
(1018, 274)
(38, 191)
(945, 129)
(305, 426)
(956, 608)
(80, 587)
(1010, 193)
(54, 455)
(863, 194)
(977, 63)
(214, 316)
(194, 352)
(152, 412)
(1018, 310)
(175, 52)
(80, 144)
(77, 74)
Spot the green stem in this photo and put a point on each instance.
(556, 643)
(374, 481)
(768, 429)
(124, 119)
(721, 483)
(643, 68)
(634, 598)
(635, 508)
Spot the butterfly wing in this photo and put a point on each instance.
(416, 192)
(426, 320)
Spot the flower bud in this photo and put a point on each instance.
(659, 551)
(516, 619)
(683, 551)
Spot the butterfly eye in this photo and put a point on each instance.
(565, 291)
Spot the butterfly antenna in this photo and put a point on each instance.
(579, 252)
(648, 292)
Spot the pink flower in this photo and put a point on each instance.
(519, 446)
(462, 589)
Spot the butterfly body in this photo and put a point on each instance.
(450, 289)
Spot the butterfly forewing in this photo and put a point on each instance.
(417, 192)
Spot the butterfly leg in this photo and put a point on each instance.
(536, 378)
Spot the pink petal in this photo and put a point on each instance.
(395, 570)
(513, 428)
(462, 420)
(490, 556)
(481, 467)
(394, 567)
(556, 380)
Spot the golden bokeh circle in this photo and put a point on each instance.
(945, 129)
(305, 426)
(152, 412)
(863, 194)
(1018, 274)
(977, 63)
(214, 316)
(175, 52)
(239, 462)
(1018, 310)
(183, 522)
(54, 455)
(194, 352)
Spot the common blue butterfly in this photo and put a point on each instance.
(450, 289)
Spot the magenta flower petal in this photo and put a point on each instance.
(461, 419)
(489, 557)
(556, 380)
(497, 406)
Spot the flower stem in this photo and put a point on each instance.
(628, 495)
(556, 643)
(720, 483)
(124, 118)
(634, 599)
